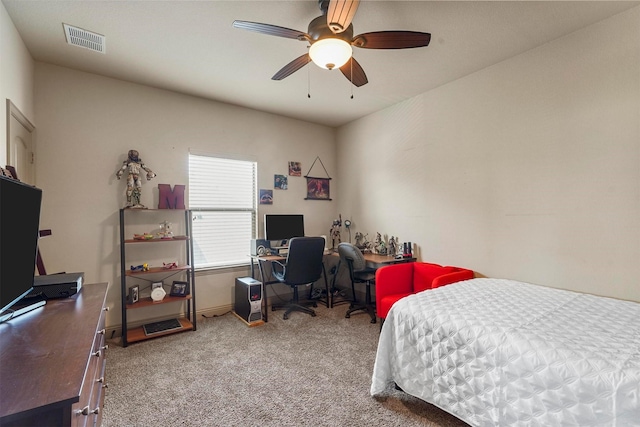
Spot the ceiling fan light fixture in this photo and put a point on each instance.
(330, 53)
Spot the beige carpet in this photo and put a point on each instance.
(307, 370)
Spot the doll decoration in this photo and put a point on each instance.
(133, 165)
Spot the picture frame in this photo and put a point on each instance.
(179, 288)
(266, 197)
(280, 182)
(295, 169)
(134, 294)
(156, 285)
(318, 188)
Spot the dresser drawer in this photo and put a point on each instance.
(87, 412)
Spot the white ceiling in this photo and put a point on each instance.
(192, 48)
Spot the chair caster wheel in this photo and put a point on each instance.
(347, 316)
(315, 304)
(285, 316)
(373, 320)
(313, 315)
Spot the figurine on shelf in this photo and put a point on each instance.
(165, 230)
(133, 165)
(141, 267)
(169, 265)
(143, 236)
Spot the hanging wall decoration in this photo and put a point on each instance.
(318, 188)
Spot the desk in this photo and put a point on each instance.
(374, 261)
(263, 259)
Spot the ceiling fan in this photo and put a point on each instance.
(331, 37)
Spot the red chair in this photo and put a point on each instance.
(396, 281)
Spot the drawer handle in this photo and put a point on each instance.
(87, 411)
(101, 332)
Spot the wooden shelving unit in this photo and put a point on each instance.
(184, 269)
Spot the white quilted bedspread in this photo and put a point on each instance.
(497, 352)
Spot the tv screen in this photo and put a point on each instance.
(19, 231)
(283, 227)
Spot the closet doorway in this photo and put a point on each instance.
(20, 146)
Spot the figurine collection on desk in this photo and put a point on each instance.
(380, 246)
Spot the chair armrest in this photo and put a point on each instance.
(447, 279)
(394, 279)
(279, 268)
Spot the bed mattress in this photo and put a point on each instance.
(501, 352)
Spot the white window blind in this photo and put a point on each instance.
(222, 196)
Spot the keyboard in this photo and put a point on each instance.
(162, 326)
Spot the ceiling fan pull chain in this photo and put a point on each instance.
(308, 82)
(351, 60)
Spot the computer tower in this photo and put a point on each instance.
(248, 304)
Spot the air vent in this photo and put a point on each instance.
(83, 38)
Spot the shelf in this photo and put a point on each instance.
(152, 210)
(184, 306)
(137, 334)
(157, 270)
(175, 239)
(147, 302)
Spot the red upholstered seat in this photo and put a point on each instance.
(397, 281)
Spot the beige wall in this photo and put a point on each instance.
(16, 77)
(529, 169)
(86, 125)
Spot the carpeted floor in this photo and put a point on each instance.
(302, 371)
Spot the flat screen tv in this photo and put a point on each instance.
(19, 231)
(283, 226)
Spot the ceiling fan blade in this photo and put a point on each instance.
(354, 72)
(340, 14)
(391, 40)
(271, 30)
(292, 67)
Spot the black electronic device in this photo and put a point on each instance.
(283, 226)
(19, 231)
(260, 247)
(248, 303)
(54, 286)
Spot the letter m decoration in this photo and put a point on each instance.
(171, 199)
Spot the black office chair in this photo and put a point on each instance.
(304, 266)
(358, 273)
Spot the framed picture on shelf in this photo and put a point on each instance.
(179, 289)
(134, 294)
(156, 285)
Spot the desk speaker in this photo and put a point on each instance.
(260, 247)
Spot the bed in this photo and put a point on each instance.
(501, 352)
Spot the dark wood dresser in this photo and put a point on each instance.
(52, 362)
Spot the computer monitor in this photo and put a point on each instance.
(283, 226)
(19, 232)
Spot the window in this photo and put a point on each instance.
(222, 196)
